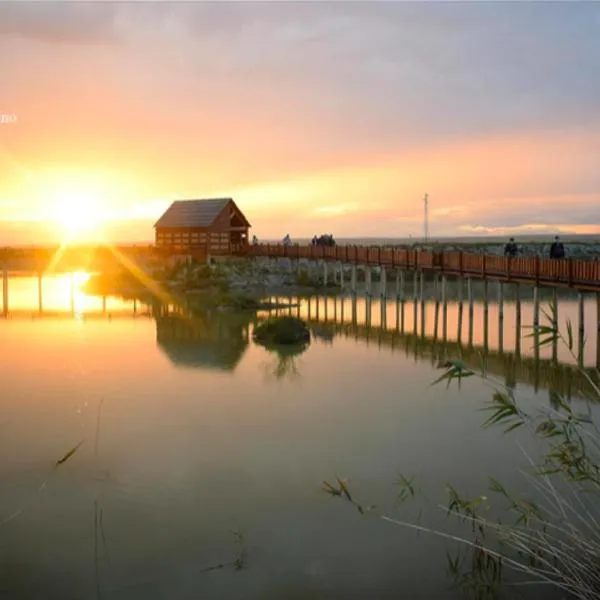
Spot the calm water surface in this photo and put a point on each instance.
(191, 432)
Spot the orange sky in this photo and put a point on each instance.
(314, 118)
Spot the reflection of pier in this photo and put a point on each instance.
(203, 341)
(408, 333)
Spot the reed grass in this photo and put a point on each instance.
(553, 542)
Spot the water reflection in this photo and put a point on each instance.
(203, 340)
(506, 351)
(184, 453)
(61, 294)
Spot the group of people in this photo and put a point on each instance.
(325, 239)
(557, 249)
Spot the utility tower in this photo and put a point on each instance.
(426, 219)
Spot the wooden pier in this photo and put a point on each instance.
(581, 275)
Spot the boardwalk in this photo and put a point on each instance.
(577, 274)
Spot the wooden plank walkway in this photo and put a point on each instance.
(583, 275)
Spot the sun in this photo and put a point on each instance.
(78, 214)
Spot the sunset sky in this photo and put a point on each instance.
(313, 116)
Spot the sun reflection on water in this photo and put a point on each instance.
(61, 293)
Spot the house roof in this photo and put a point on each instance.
(193, 213)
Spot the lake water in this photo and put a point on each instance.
(194, 437)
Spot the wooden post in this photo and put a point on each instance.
(354, 310)
(422, 295)
(341, 276)
(415, 299)
(471, 309)
(486, 310)
(326, 307)
(317, 308)
(581, 327)
(518, 319)
(383, 315)
(402, 308)
(598, 331)
(383, 283)
(103, 304)
(444, 309)
(436, 318)
(400, 286)
(309, 308)
(325, 273)
(5, 291)
(554, 314)
(353, 281)
(368, 275)
(460, 310)
(40, 292)
(135, 306)
(536, 306)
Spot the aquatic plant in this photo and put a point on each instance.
(555, 541)
(279, 330)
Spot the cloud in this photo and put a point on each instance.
(345, 111)
(60, 22)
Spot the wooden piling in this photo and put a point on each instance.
(415, 299)
(368, 280)
(400, 285)
(5, 291)
(470, 296)
(383, 283)
(353, 280)
(422, 296)
(581, 327)
(598, 331)
(444, 309)
(554, 315)
(471, 310)
(40, 292)
(536, 306)
(436, 318)
(383, 314)
(460, 310)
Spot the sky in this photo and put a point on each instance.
(314, 116)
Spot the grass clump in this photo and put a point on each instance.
(282, 330)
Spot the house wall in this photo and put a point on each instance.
(215, 240)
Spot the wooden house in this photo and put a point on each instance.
(213, 226)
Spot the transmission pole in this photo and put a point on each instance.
(426, 220)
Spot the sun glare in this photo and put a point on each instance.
(78, 214)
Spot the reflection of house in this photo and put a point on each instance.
(199, 342)
(214, 226)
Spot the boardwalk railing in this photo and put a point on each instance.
(581, 274)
